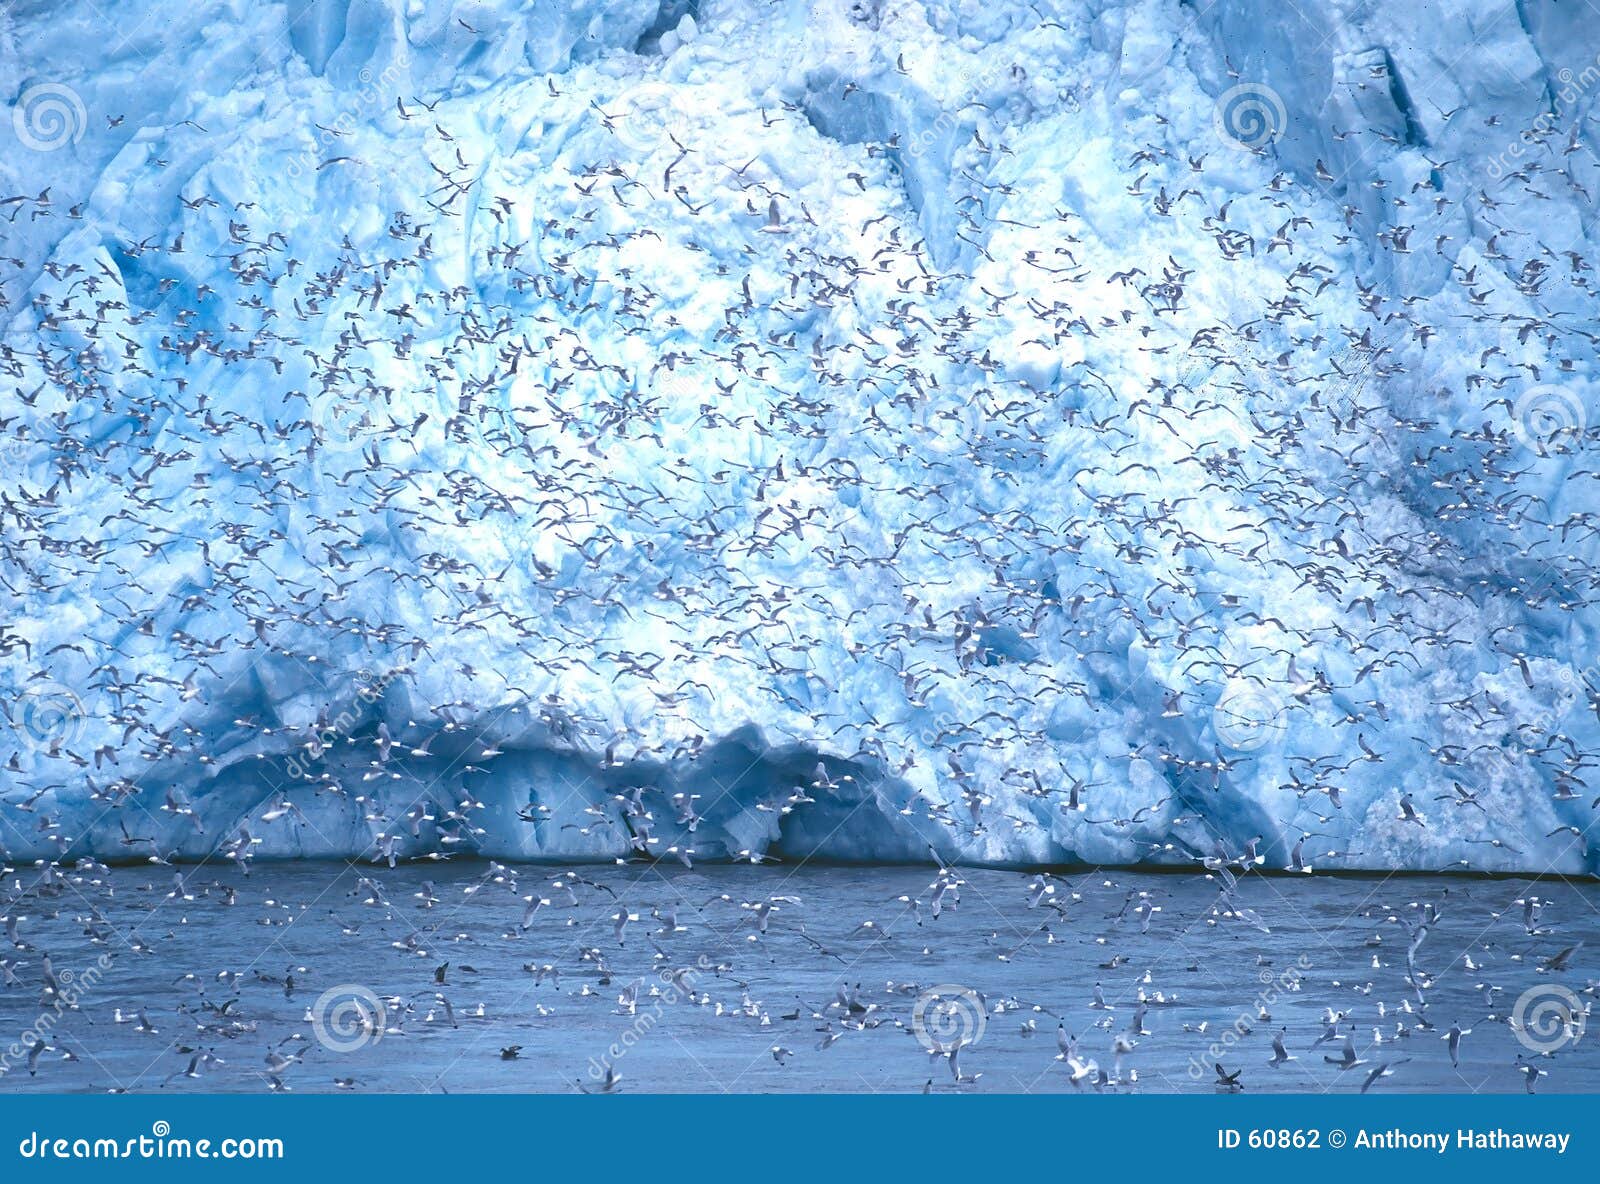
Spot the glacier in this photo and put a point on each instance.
(1022, 434)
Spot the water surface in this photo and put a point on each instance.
(274, 984)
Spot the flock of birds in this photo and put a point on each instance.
(372, 979)
(614, 457)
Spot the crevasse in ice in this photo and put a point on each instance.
(1033, 433)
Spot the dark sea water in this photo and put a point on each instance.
(287, 986)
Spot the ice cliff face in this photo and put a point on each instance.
(1035, 433)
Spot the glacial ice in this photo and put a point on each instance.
(435, 367)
